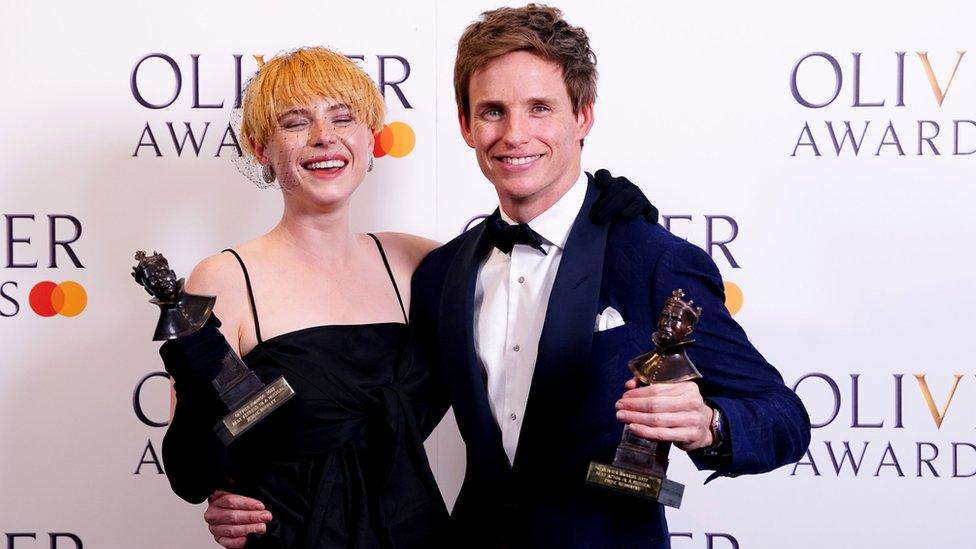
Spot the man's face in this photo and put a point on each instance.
(523, 130)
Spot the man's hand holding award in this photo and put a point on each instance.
(640, 464)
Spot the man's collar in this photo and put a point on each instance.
(555, 223)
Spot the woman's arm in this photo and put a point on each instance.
(192, 453)
(220, 275)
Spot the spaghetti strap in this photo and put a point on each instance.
(250, 295)
(389, 271)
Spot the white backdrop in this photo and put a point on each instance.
(855, 268)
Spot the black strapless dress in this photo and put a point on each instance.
(341, 464)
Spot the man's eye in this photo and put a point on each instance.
(540, 109)
(492, 113)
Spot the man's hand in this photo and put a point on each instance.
(232, 517)
(673, 412)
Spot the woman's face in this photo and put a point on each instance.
(320, 152)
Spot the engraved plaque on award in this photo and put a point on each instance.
(248, 400)
(640, 466)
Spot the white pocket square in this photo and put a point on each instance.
(607, 320)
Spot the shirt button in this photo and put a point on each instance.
(516, 348)
(512, 417)
(521, 280)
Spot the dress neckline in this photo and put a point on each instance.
(254, 309)
(277, 338)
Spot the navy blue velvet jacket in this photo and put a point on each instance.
(542, 500)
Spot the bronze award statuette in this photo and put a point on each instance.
(640, 465)
(248, 400)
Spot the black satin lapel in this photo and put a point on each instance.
(458, 355)
(567, 334)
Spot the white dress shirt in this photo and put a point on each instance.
(510, 302)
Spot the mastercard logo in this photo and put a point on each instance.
(733, 297)
(66, 299)
(395, 139)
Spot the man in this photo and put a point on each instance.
(506, 316)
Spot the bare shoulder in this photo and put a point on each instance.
(218, 275)
(221, 274)
(407, 249)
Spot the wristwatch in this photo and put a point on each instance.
(718, 447)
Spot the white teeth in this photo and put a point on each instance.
(326, 165)
(519, 160)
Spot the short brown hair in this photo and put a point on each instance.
(297, 78)
(534, 28)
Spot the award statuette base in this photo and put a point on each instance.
(639, 469)
(248, 400)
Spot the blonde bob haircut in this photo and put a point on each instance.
(299, 77)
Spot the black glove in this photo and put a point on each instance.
(194, 360)
(619, 199)
(193, 455)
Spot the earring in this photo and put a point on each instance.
(369, 168)
(268, 174)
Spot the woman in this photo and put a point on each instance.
(341, 464)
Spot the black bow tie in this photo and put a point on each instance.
(504, 236)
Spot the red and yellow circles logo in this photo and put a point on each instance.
(67, 298)
(395, 139)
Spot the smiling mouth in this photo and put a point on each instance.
(518, 160)
(325, 165)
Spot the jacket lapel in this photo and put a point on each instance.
(458, 355)
(567, 334)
